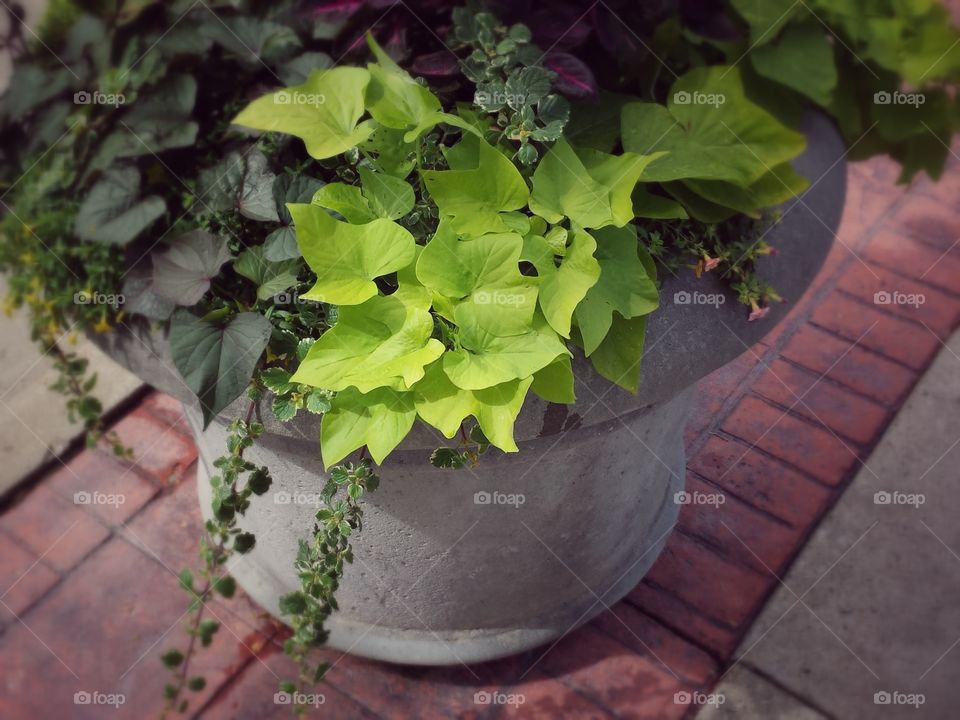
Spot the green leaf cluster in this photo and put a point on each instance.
(879, 68)
(463, 319)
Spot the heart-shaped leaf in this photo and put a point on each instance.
(182, 273)
(217, 359)
(256, 199)
(346, 257)
(383, 342)
(324, 111)
(113, 211)
(270, 277)
(379, 419)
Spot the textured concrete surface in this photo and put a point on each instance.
(464, 567)
(866, 622)
(744, 695)
(34, 428)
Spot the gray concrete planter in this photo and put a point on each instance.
(470, 565)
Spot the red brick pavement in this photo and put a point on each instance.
(89, 591)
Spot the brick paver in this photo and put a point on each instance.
(89, 595)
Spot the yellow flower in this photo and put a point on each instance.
(103, 325)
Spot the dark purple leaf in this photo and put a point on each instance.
(336, 8)
(616, 38)
(574, 78)
(559, 27)
(442, 63)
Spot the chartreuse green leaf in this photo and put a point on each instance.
(281, 244)
(436, 118)
(442, 404)
(590, 187)
(483, 271)
(216, 359)
(619, 355)
(395, 99)
(380, 195)
(379, 419)
(486, 357)
(383, 342)
(561, 288)
(802, 59)
(345, 257)
(456, 268)
(710, 131)
(554, 383)
(346, 200)
(324, 111)
(389, 197)
(474, 197)
(625, 286)
(390, 152)
(777, 186)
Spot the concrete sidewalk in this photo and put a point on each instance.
(34, 428)
(866, 623)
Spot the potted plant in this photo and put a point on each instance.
(449, 250)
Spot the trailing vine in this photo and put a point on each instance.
(320, 565)
(238, 479)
